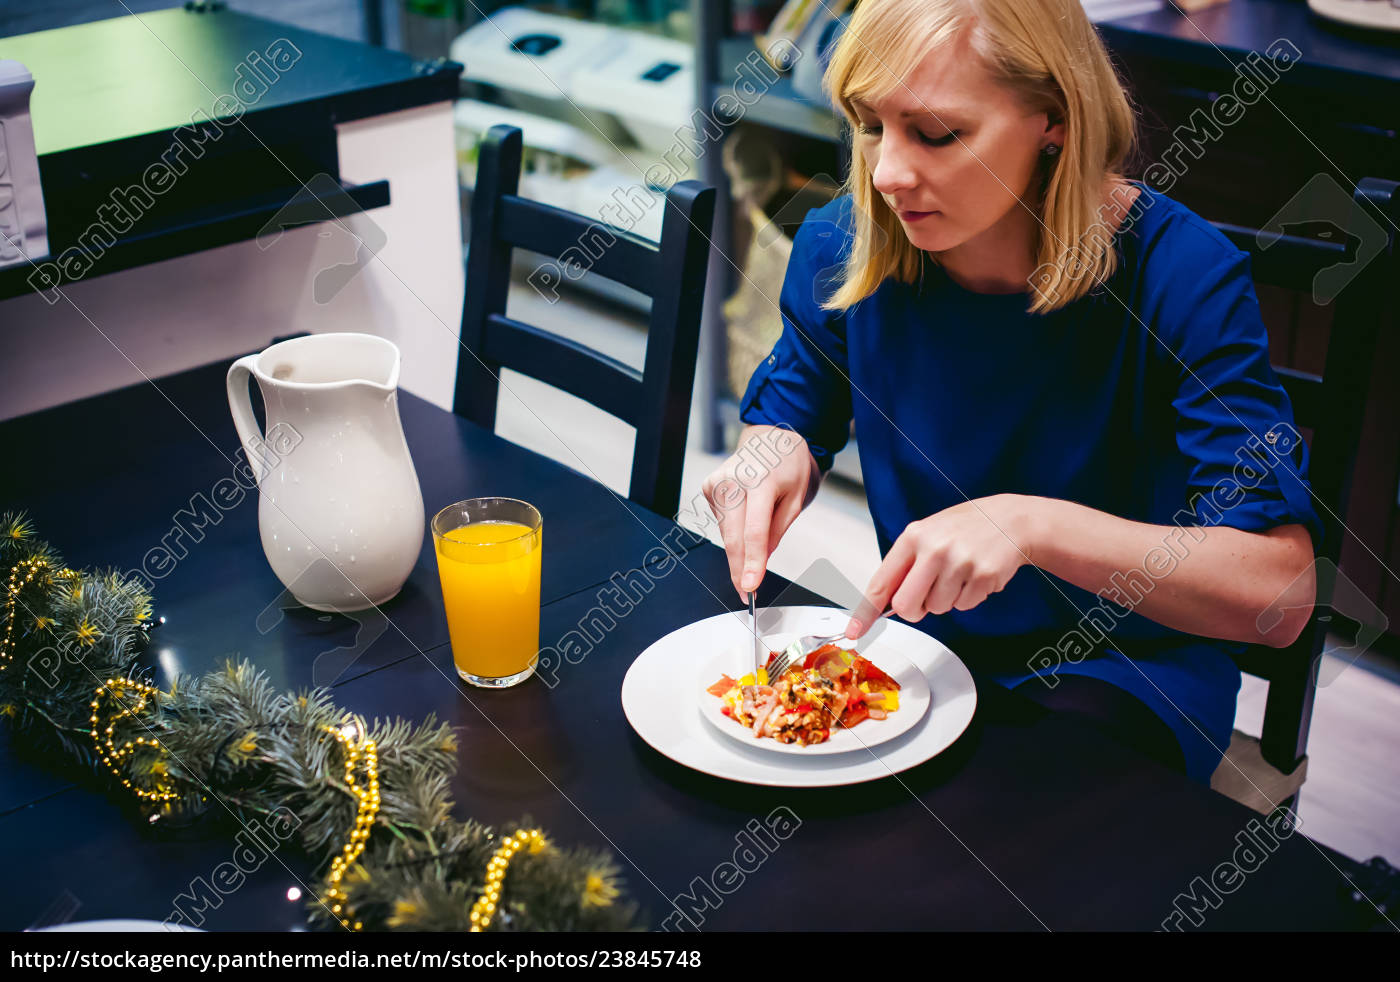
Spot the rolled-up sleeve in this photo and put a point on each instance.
(1235, 424)
(804, 382)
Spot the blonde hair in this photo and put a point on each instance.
(1050, 54)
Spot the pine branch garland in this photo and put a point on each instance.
(230, 747)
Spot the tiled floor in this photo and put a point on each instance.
(1352, 798)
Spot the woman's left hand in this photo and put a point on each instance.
(950, 561)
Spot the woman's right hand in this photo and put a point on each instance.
(757, 494)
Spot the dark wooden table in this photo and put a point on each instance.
(1030, 821)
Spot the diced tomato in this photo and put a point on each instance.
(820, 655)
(866, 671)
(724, 684)
(806, 707)
(727, 710)
(855, 714)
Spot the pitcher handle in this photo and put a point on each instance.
(241, 405)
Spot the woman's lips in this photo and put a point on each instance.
(914, 216)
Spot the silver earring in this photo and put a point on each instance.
(1051, 151)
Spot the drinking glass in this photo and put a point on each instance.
(488, 556)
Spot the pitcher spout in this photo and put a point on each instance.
(321, 361)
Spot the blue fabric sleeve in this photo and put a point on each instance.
(804, 381)
(1248, 461)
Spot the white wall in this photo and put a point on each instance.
(155, 320)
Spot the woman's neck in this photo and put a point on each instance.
(999, 260)
(1002, 259)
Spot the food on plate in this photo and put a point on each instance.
(833, 686)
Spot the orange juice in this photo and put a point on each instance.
(490, 574)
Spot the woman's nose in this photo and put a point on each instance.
(893, 172)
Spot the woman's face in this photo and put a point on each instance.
(951, 150)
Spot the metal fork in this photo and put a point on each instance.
(758, 658)
(802, 647)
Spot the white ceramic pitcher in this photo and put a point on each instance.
(340, 509)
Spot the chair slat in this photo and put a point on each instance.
(582, 243)
(1289, 261)
(607, 383)
(1305, 392)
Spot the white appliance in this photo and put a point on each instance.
(23, 222)
(648, 84)
(616, 85)
(532, 57)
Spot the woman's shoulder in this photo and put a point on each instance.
(1184, 278)
(1171, 244)
(826, 233)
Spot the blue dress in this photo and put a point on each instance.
(1169, 415)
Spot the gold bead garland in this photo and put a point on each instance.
(368, 795)
(112, 755)
(485, 907)
(31, 568)
(52, 605)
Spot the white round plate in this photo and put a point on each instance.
(120, 927)
(913, 701)
(665, 676)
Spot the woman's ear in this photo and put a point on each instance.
(1054, 134)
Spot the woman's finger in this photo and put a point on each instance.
(953, 576)
(909, 601)
(785, 512)
(882, 585)
(974, 591)
(758, 519)
(727, 503)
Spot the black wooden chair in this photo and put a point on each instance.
(672, 273)
(1332, 406)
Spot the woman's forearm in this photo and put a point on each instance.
(1214, 581)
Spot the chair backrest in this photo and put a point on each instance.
(1332, 405)
(656, 400)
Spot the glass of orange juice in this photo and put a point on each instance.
(488, 556)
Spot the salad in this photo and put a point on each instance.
(833, 686)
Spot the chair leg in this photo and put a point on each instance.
(1289, 805)
(1288, 717)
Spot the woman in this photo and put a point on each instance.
(1078, 460)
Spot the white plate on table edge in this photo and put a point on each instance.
(664, 676)
(119, 926)
(913, 700)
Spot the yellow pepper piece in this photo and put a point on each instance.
(748, 679)
(891, 702)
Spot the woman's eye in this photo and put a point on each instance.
(939, 141)
(868, 129)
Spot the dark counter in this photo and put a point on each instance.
(212, 123)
